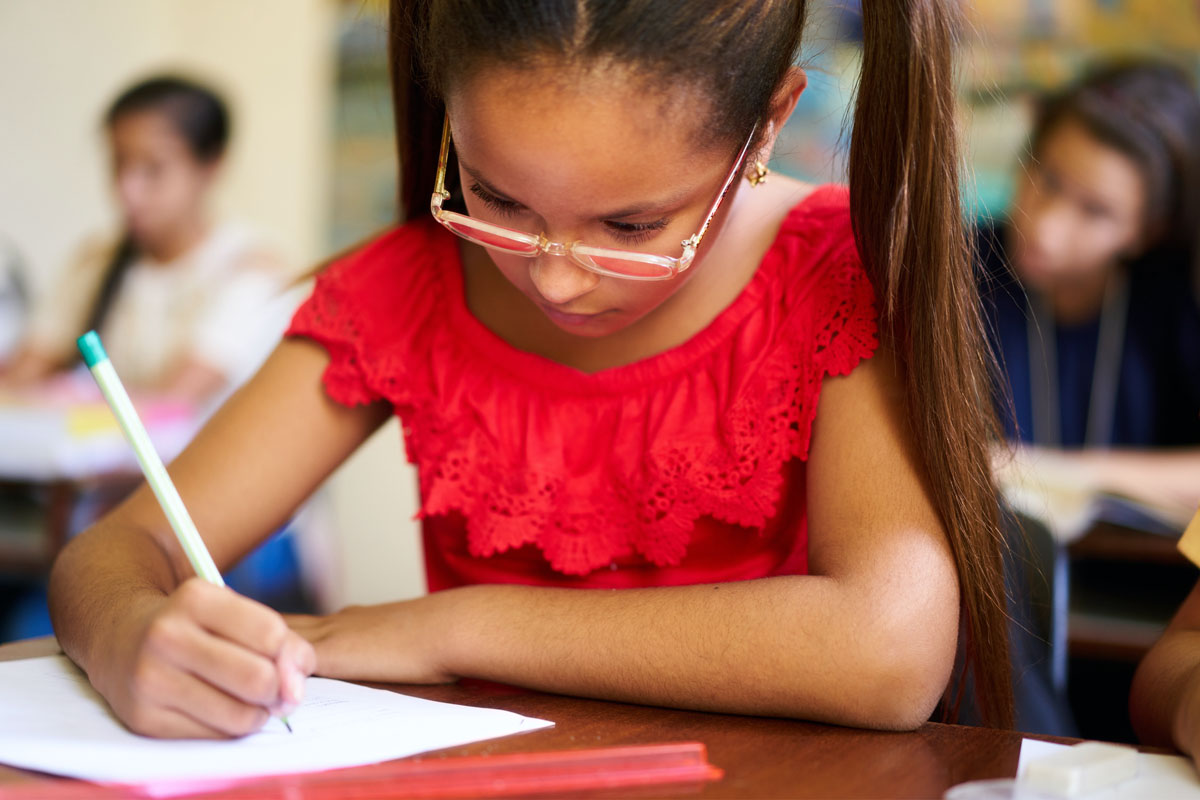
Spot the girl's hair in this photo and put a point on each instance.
(200, 118)
(1150, 111)
(904, 199)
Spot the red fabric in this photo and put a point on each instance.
(667, 471)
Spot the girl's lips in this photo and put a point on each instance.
(563, 318)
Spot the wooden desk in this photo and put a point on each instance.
(761, 757)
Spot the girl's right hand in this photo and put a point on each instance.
(205, 662)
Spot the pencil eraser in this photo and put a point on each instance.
(92, 350)
(1081, 769)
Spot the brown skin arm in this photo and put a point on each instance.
(1164, 702)
(867, 639)
(179, 657)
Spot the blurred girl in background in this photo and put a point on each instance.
(187, 306)
(1092, 286)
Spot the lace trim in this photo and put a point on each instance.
(582, 523)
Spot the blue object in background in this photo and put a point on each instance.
(270, 574)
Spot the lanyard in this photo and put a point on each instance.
(1041, 332)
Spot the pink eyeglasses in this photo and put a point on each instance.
(615, 263)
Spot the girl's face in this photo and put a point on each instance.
(590, 160)
(159, 182)
(1078, 209)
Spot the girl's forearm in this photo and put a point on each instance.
(98, 579)
(791, 646)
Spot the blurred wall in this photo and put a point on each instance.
(61, 63)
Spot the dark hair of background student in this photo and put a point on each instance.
(904, 196)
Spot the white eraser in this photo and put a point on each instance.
(1081, 769)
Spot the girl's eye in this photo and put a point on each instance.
(636, 231)
(497, 204)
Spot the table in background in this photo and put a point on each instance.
(62, 450)
(761, 757)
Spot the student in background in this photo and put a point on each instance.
(182, 300)
(1092, 285)
(188, 306)
(606, 337)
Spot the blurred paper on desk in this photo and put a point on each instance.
(63, 429)
(1068, 503)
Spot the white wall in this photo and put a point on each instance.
(62, 62)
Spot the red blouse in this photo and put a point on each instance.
(686, 467)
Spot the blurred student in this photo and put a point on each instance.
(178, 297)
(188, 306)
(1091, 285)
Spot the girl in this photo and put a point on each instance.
(179, 298)
(1091, 286)
(607, 355)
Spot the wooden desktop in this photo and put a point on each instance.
(760, 757)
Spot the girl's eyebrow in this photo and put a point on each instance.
(662, 207)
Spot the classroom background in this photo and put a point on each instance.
(313, 165)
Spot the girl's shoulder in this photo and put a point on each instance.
(394, 265)
(379, 303)
(814, 243)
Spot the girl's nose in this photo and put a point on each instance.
(560, 280)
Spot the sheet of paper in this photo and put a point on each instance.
(1160, 777)
(51, 720)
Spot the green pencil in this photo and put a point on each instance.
(152, 466)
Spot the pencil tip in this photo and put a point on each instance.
(286, 724)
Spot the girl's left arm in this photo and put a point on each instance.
(867, 639)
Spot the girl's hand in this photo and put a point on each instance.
(204, 662)
(394, 643)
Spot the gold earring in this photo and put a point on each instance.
(758, 175)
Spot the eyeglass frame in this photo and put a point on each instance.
(673, 265)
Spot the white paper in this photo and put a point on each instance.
(52, 720)
(1159, 777)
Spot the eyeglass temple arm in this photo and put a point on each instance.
(693, 243)
(439, 183)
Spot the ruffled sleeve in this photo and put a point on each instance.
(833, 303)
(369, 311)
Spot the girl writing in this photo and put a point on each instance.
(607, 352)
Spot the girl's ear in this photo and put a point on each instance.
(783, 103)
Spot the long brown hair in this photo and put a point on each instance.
(909, 228)
(903, 192)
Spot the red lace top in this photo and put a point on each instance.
(685, 467)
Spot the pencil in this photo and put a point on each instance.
(160, 483)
